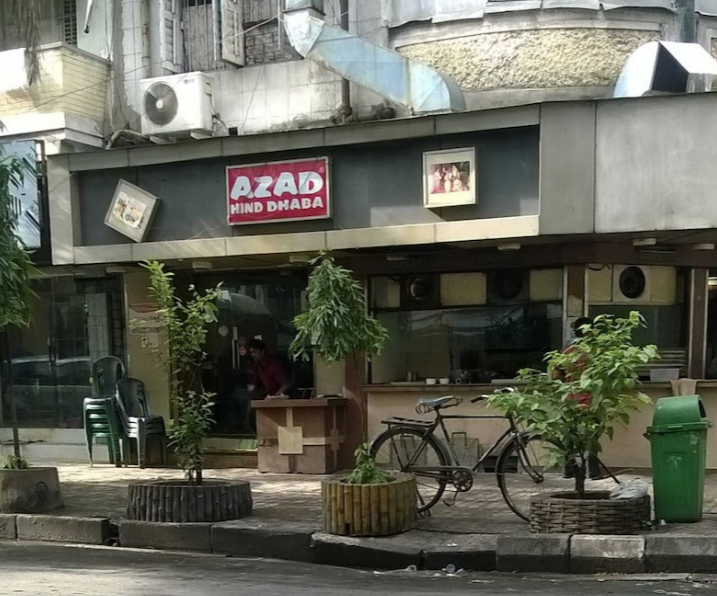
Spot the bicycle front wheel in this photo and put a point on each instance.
(525, 469)
(409, 450)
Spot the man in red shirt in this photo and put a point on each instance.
(271, 380)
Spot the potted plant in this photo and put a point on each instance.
(22, 489)
(336, 324)
(337, 329)
(583, 394)
(185, 324)
(368, 501)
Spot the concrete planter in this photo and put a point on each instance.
(564, 513)
(369, 509)
(177, 501)
(34, 490)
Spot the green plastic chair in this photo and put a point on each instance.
(106, 371)
(137, 423)
(101, 420)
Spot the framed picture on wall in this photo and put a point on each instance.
(449, 178)
(131, 211)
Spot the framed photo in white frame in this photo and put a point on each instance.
(449, 178)
(131, 211)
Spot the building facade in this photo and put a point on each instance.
(486, 202)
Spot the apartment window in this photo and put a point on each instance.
(230, 33)
(265, 40)
(198, 23)
(68, 21)
(58, 22)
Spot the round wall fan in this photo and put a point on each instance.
(160, 104)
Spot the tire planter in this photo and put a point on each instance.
(177, 501)
(34, 490)
(564, 513)
(369, 509)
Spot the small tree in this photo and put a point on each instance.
(337, 326)
(585, 391)
(16, 272)
(185, 326)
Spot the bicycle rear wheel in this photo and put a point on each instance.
(405, 449)
(524, 470)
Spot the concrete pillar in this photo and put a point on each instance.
(576, 298)
(329, 377)
(697, 342)
(142, 363)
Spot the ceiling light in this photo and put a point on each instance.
(644, 242)
(704, 246)
(511, 246)
(299, 259)
(201, 265)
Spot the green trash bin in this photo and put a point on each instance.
(678, 437)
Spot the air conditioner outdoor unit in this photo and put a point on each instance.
(644, 285)
(508, 286)
(177, 105)
(421, 292)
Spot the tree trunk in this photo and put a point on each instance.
(580, 469)
(10, 393)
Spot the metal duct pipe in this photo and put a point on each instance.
(393, 76)
(346, 109)
(687, 17)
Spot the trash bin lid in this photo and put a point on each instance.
(677, 412)
(674, 428)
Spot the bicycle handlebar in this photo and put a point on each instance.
(484, 396)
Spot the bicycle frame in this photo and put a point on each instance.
(429, 429)
(511, 431)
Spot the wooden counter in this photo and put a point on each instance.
(299, 435)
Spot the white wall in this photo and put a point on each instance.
(276, 96)
(655, 164)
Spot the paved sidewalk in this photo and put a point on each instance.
(102, 491)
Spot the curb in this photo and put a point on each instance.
(692, 554)
(607, 554)
(8, 526)
(476, 552)
(255, 537)
(56, 528)
(166, 536)
(376, 553)
(548, 553)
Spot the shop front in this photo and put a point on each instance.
(480, 238)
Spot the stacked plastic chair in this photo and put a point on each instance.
(100, 413)
(137, 422)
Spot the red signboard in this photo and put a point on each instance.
(278, 191)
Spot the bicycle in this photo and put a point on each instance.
(521, 466)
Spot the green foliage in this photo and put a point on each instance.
(365, 470)
(336, 323)
(16, 268)
(14, 462)
(185, 325)
(585, 391)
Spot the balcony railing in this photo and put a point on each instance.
(71, 81)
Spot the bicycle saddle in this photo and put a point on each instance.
(428, 404)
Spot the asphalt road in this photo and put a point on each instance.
(42, 569)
